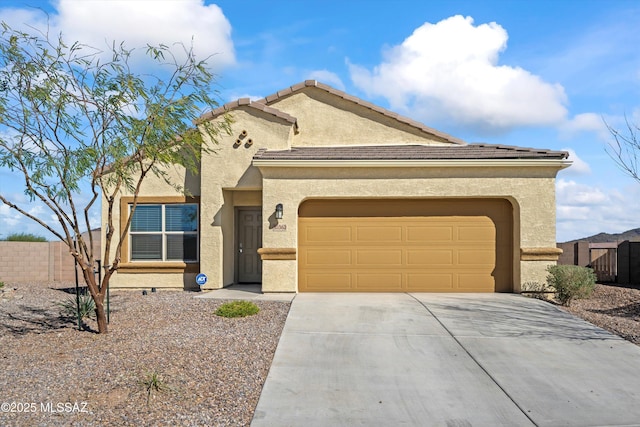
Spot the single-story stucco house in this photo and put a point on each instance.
(318, 190)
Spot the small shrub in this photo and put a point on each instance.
(571, 282)
(1, 285)
(24, 237)
(153, 383)
(237, 309)
(69, 308)
(537, 290)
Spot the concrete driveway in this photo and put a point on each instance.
(446, 360)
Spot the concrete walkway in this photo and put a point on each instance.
(446, 360)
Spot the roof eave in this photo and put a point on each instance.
(246, 103)
(436, 163)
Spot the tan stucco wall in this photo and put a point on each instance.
(324, 119)
(534, 274)
(156, 188)
(228, 180)
(530, 190)
(279, 275)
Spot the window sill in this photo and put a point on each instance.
(159, 267)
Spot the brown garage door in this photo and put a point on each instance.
(454, 245)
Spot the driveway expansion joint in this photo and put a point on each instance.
(524, 412)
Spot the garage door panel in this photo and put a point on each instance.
(418, 282)
(429, 257)
(327, 257)
(317, 282)
(379, 233)
(384, 257)
(451, 246)
(326, 233)
(378, 282)
(477, 234)
(476, 282)
(477, 257)
(431, 234)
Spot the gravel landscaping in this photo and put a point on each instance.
(612, 307)
(207, 370)
(203, 369)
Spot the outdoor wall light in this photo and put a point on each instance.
(279, 211)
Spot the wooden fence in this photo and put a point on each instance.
(617, 262)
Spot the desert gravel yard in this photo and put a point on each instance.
(612, 307)
(210, 369)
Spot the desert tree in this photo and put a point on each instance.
(81, 125)
(624, 149)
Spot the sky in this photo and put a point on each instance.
(545, 73)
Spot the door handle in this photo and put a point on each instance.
(240, 248)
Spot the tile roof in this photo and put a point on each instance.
(248, 103)
(268, 100)
(411, 152)
(264, 105)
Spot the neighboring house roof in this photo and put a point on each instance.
(411, 152)
(264, 104)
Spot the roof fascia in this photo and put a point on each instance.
(435, 163)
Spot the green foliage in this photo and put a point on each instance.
(153, 383)
(80, 125)
(71, 114)
(24, 237)
(571, 282)
(69, 307)
(237, 309)
(1, 285)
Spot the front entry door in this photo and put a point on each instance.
(248, 242)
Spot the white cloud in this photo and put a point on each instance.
(449, 70)
(9, 217)
(586, 122)
(578, 166)
(584, 210)
(12, 221)
(327, 77)
(137, 23)
(571, 193)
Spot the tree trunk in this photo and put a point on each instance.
(98, 295)
(101, 317)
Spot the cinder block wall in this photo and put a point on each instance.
(24, 262)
